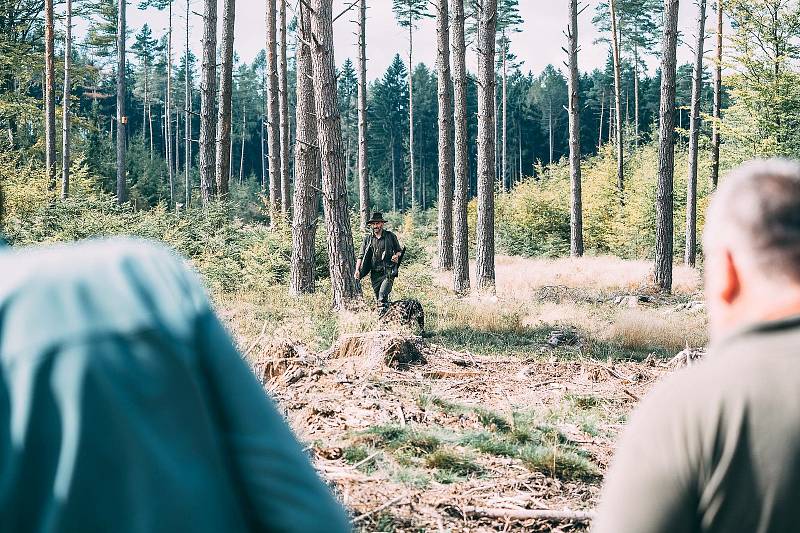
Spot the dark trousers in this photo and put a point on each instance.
(382, 286)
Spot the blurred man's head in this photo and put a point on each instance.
(751, 244)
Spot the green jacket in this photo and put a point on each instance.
(125, 407)
(366, 255)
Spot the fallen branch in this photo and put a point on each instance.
(632, 395)
(366, 460)
(386, 505)
(528, 514)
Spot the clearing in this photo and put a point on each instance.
(514, 402)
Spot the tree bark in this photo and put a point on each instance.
(363, 162)
(273, 115)
(187, 119)
(49, 97)
(484, 257)
(171, 157)
(329, 134)
(444, 81)
(602, 109)
(411, 115)
(666, 150)
(65, 124)
(244, 136)
(636, 94)
(208, 83)
(307, 168)
(283, 104)
(715, 140)
(617, 98)
(576, 212)
(461, 284)
(394, 174)
(503, 177)
(224, 149)
(122, 186)
(694, 134)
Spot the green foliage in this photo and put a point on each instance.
(232, 255)
(533, 218)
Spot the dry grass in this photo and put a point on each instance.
(521, 277)
(649, 329)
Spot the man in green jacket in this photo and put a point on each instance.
(125, 407)
(716, 447)
(380, 252)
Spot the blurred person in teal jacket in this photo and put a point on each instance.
(125, 407)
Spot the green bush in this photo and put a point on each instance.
(231, 254)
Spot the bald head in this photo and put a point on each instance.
(752, 244)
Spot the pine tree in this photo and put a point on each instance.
(445, 129)
(49, 97)
(223, 157)
(694, 133)
(576, 214)
(461, 283)
(666, 149)
(408, 14)
(484, 257)
(363, 157)
(329, 140)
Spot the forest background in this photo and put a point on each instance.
(162, 90)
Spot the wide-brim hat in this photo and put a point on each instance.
(377, 216)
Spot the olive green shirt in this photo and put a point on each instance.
(715, 447)
(125, 407)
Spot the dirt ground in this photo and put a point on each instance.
(373, 421)
(484, 416)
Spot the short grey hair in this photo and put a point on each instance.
(756, 210)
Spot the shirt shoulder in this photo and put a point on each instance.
(92, 288)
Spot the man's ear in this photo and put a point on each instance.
(730, 286)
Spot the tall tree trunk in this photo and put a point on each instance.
(363, 162)
(208, 85)
(150, 127)
(411, 115)
(445, 261)
(484, 257)
(171, 157)
(715, 140)
(329, 134)
(636, 94)
(224, 149)
(187, 119)
(273, 115)
(503, 177)
(694, 134)
(576, 214)
(461, 283)
(65, 128)
(602, 109)
(617, 98)
(122, 186)
(550, 128)
(244, 136)
(666, 149)
(307, 167)
(283, 104)
(49, 97)
(394, 174)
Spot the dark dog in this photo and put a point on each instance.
(407, 313)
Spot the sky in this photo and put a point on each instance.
(537, 45)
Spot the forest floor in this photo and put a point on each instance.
(511, 402)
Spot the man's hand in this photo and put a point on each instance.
(396, 257)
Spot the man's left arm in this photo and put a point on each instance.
(396, 250)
